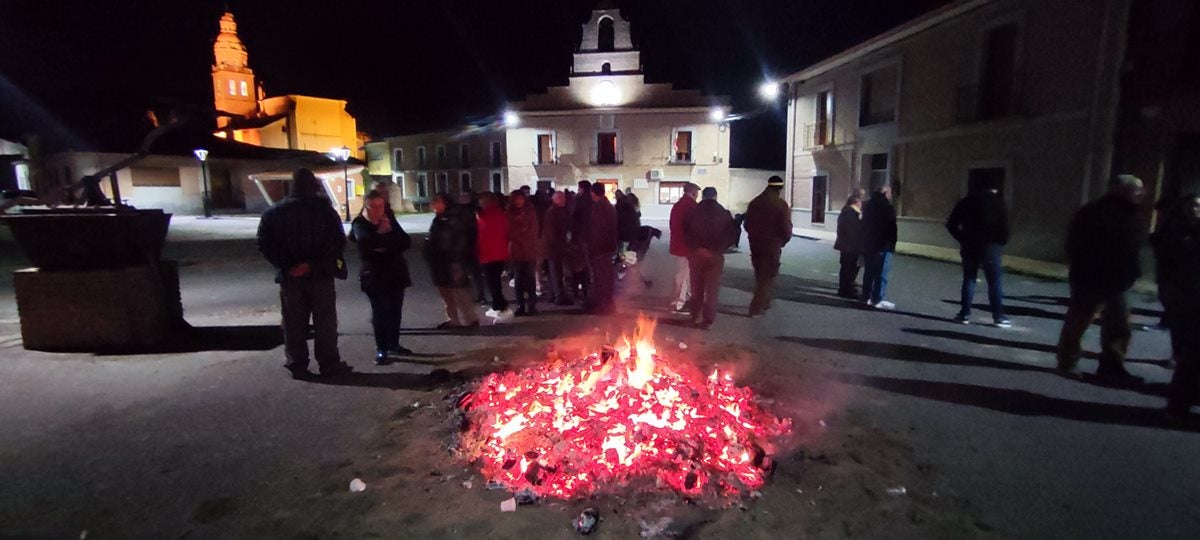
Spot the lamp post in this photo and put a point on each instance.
(202, 155)
(343, 154)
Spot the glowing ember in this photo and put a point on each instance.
(618, 418)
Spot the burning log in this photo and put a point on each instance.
(571, 428)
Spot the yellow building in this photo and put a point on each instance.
(245, 114)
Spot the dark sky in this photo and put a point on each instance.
(83, 72)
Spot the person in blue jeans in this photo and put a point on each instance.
(879, 242)
(979, 222)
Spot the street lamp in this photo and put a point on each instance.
(769, 91)
(511, 119)
(716, 115)
(202, 155)
(343, 155)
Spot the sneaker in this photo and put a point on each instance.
(962, 319)
(1003, 323)
(678, 307)
(884, 304)
(869, 303)
(491, 313)
(381, 358)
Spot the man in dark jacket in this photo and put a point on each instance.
(1102, 249)
(768, 223)
(849, 243)
(879, 242)
(601, 249)
(581, 216)
(979, 222)
(302, 237)
(1177, 250)
(554, 246)
(709, 231)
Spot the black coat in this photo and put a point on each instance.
(629, 219)
(1103, 243)
(879, 225)
(710, 227)
(382, 255)
(1177, 254)
(849, 231)
(447, 250)
(979, 220)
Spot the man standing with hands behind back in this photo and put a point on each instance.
(768, 225)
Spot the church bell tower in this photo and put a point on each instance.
(233, 80)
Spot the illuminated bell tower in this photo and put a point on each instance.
(233, 80)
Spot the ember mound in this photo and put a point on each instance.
(620, 418)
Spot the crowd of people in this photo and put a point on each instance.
(571, 247)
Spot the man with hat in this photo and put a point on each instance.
(768, 223)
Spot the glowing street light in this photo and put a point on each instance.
(343, 155)
(769, 91)
(202, 155)
(716, 115)
(511, 119)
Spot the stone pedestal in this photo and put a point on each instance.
(124, 309)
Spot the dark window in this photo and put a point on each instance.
(464, 155)
(397, 159)
(545, 148)
(878, 99)
(608, 36)
(820, 193)
(422, 162)
(422, 186)
(998, 77)
(606, 68)
(606, 148)
(443, 183)
(497, 153)
(683, 146)
(823, 129)
(875, 170)
(441, 156)
(464, 182)
(497, 183)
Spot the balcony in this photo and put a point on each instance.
(817, 135)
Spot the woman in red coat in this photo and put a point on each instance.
(493, 251)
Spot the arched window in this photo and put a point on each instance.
(606, 68)
(607, 35)
(243, 88)
(232, 87)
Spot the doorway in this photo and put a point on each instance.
(820, 198)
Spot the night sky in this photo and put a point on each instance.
(82, 73)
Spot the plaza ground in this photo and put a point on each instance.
(971, 420)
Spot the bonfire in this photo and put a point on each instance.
(620, 418)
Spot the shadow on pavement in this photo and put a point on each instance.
(1023, 403)
(213, 338)
(909, 353)
(1014, 311)
(1028, 346)
(1064, 301)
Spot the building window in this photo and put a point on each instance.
(422, 186)
(606, 68)
(422, 162)
(243, 89)
(606, 148)
(670, 192)
(878, 96)
(607, 38)
(610, 187)
(683, 146)
(441, 155)
(443, 182)
(397, 159)
(497, 182)
(545, 148)
(464, 155)
(823, 123)
(875, 168)
(998, 76)
(464, 182)
(232, 87)
(497, 153)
